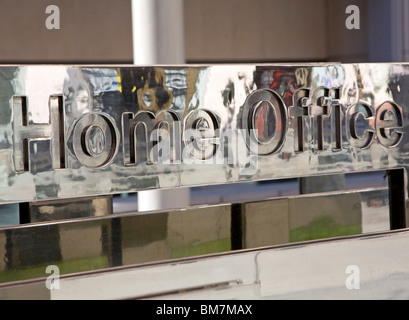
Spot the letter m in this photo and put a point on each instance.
(213, 310)
(147, 138)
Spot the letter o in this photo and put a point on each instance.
(95, 140)
(265, 119)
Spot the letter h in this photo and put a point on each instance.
(38, 147)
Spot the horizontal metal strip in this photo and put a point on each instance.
(90, 244)
(380, 268)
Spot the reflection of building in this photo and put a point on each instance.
(175, 81)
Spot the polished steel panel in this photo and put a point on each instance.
(87, 244)
(93, 243)
(295, 219)
(78, 131)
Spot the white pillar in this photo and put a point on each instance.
(158, 32)
(144, 31)
(158, 38)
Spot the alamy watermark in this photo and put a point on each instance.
(235, 148)
(53, 20)
(353, 20)
(352, 282)
(53, 281)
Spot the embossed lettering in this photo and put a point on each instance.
(360, 124)
(95, 139)
(29, 137)
(316, 116)
(388, 122)
(199, 137)
(140, 133)
(265, 119)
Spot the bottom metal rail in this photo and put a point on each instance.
(371, 266)
(108, 243)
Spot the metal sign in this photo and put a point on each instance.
(74, 131)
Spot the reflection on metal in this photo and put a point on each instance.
(71, 131)
(138, 238)
(317, 270)
(67, 209)
(89, 132)
(100, 242)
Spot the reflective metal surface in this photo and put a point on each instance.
(50, 210)
(138, 238)
(313, 270)
(69, 131)
(94, 243)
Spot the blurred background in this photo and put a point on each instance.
(100, 31)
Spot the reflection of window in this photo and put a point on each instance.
(175, 80)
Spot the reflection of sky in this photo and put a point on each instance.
(103, 79)
(200, 89)
(328, 76)
(40, 83)
(379, 74)
(9, 214)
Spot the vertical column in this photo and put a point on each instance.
(158, 38)
(388, 41)
(397, 205)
